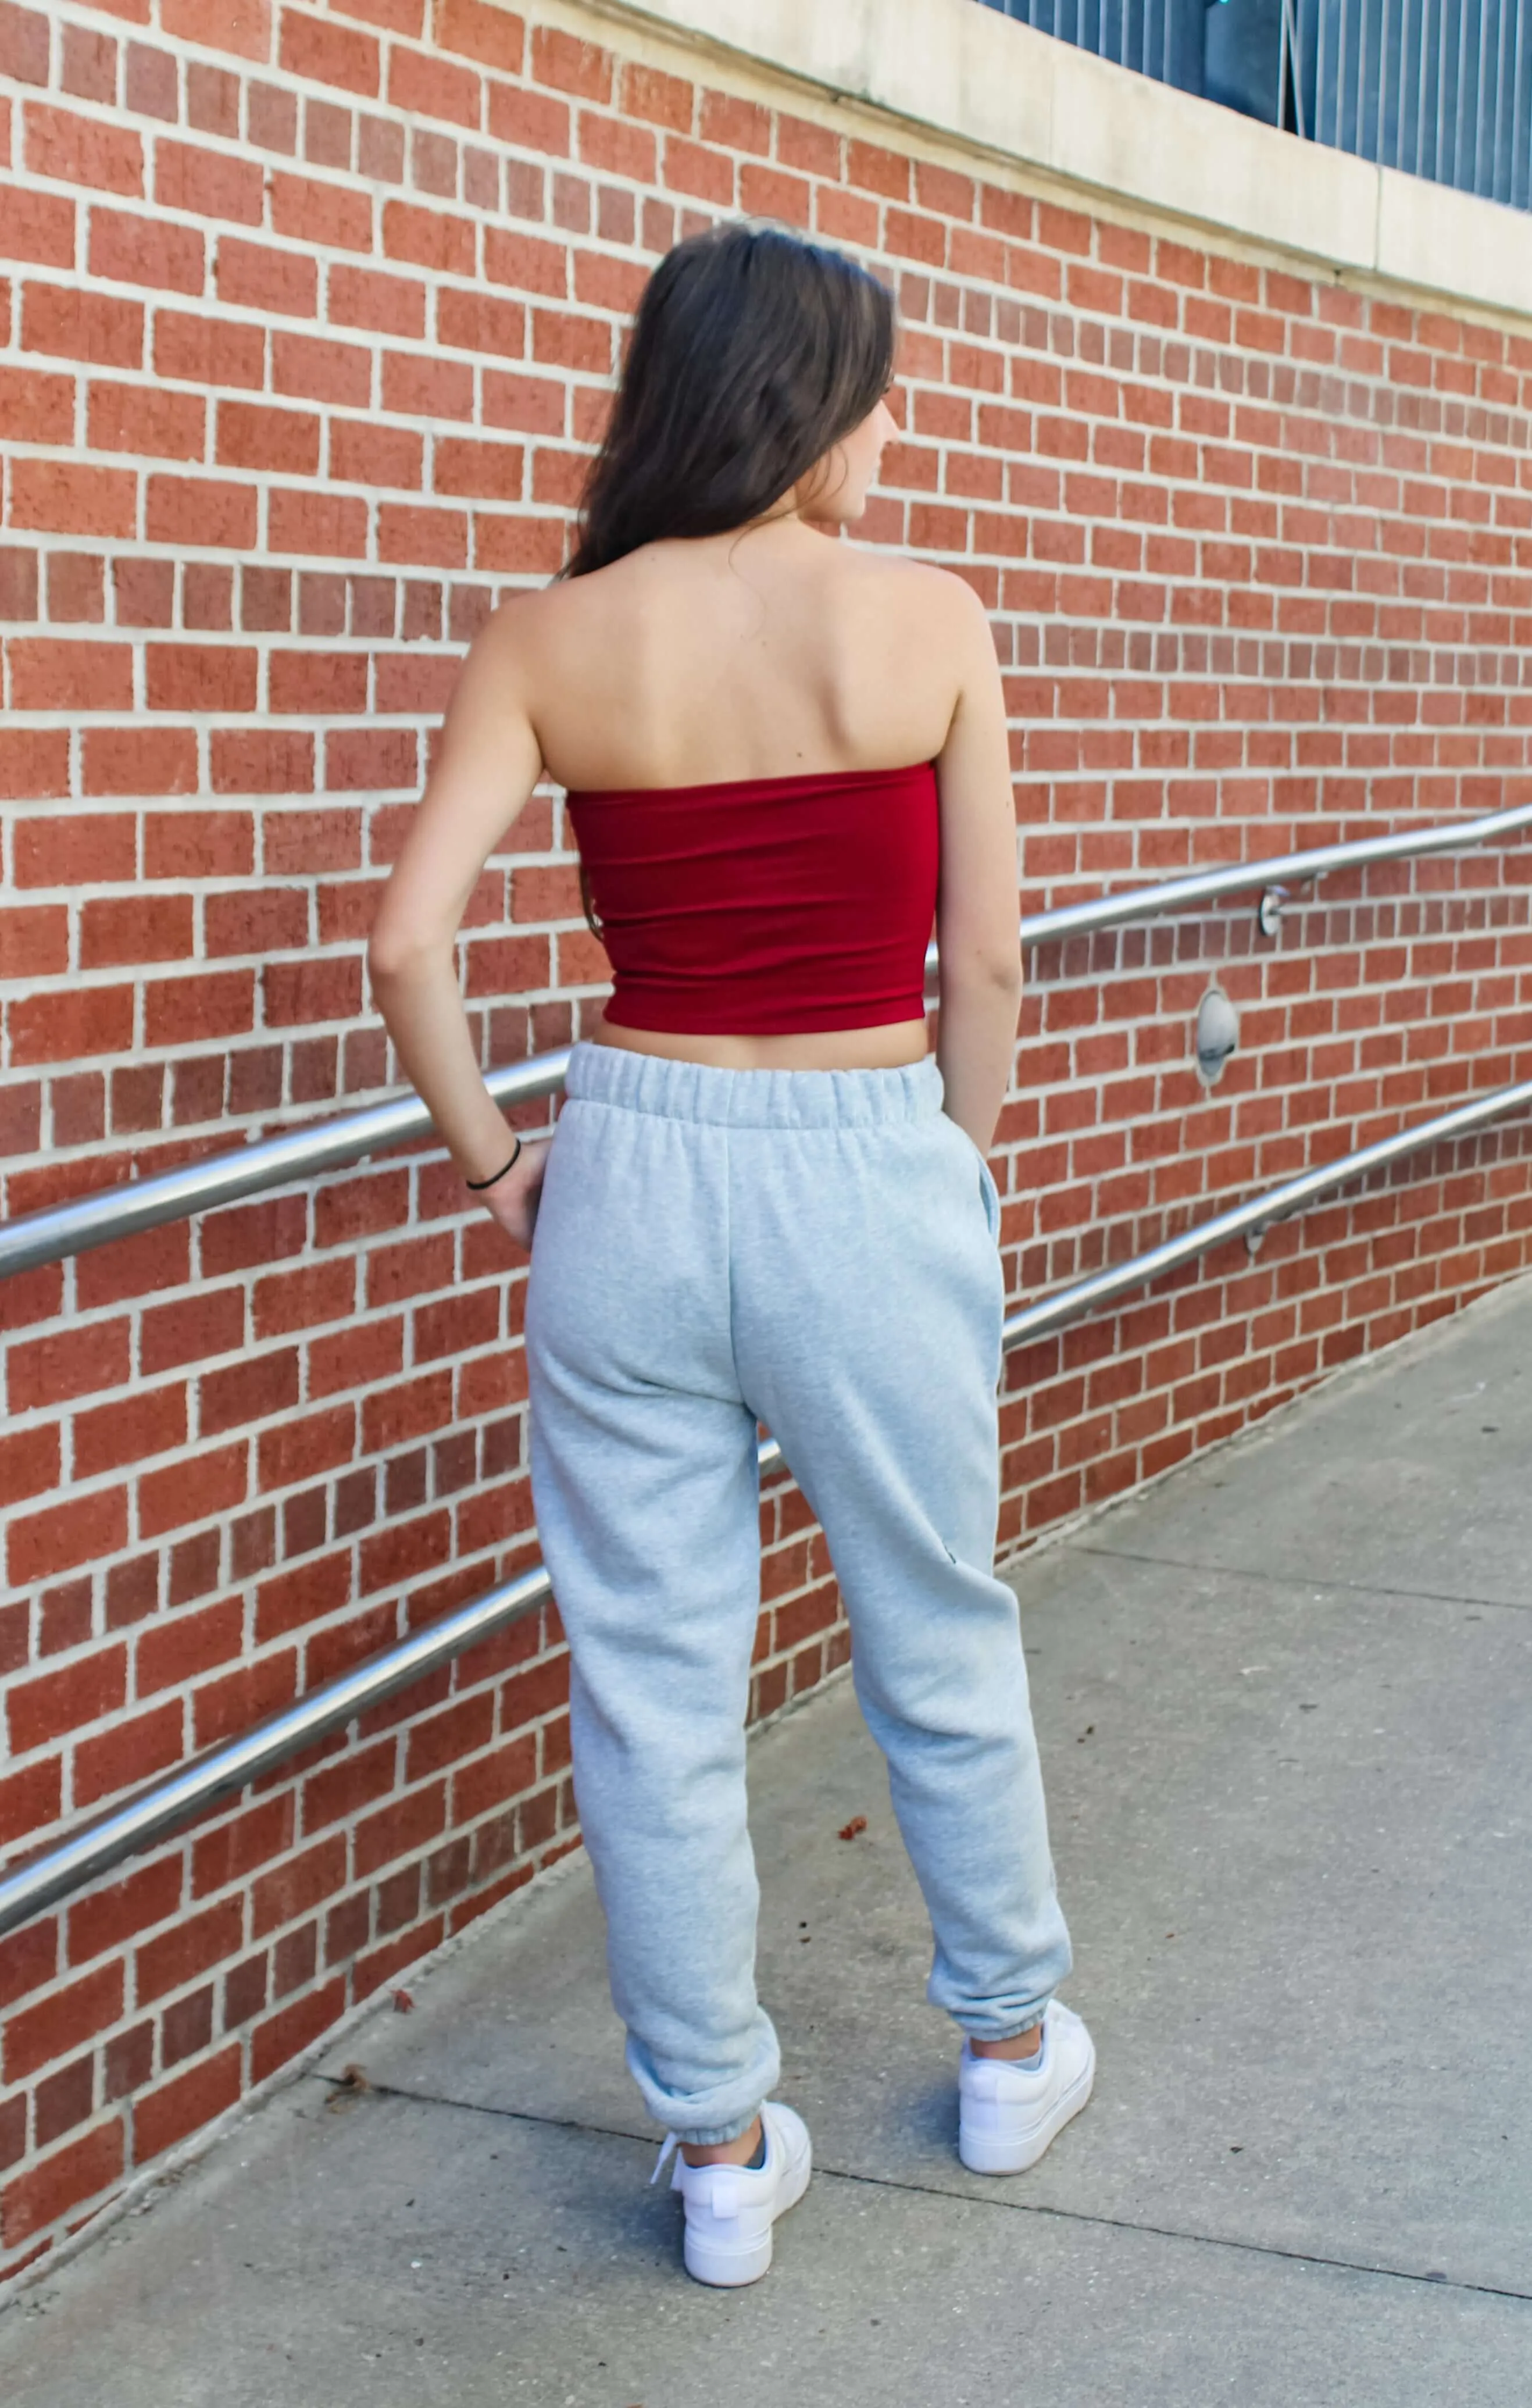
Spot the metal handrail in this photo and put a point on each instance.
(64, 1230)
(86, 1221)
(1204, 885)
(1250, 1220)
(123, 1830)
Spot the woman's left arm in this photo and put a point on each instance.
(487, 765)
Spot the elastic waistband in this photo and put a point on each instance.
(700, 1091)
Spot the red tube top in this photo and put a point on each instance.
(767, 905)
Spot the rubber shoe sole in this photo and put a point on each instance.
(731, 2209)
(1008, 2118)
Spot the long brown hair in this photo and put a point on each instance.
(754, 351)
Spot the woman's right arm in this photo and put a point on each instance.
(487, 764)
(977, 903)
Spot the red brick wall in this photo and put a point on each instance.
(307, 326)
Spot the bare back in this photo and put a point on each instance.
(755, 656)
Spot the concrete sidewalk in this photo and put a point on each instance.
(1282, 1702)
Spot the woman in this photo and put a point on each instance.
(765, 1197)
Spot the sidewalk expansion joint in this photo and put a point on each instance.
(1306, 1581)
(970, 2199)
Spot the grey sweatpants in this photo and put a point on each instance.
(817, 1250)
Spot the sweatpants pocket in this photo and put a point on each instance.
(988, 1190)
(991, 1197)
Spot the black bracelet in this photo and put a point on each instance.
(479, 1183)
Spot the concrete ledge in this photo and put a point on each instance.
(1450, 242)
(967, 74)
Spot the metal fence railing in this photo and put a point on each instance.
(1442, 88)
(1162, 38)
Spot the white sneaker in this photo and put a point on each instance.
(730, 2209)
(1009, 2111)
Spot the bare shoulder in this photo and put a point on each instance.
(522, 621)
(937, 602)
(524, 640)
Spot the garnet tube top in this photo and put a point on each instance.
(767, 905)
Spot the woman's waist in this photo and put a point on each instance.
(884, 1045)
(753, 1094)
